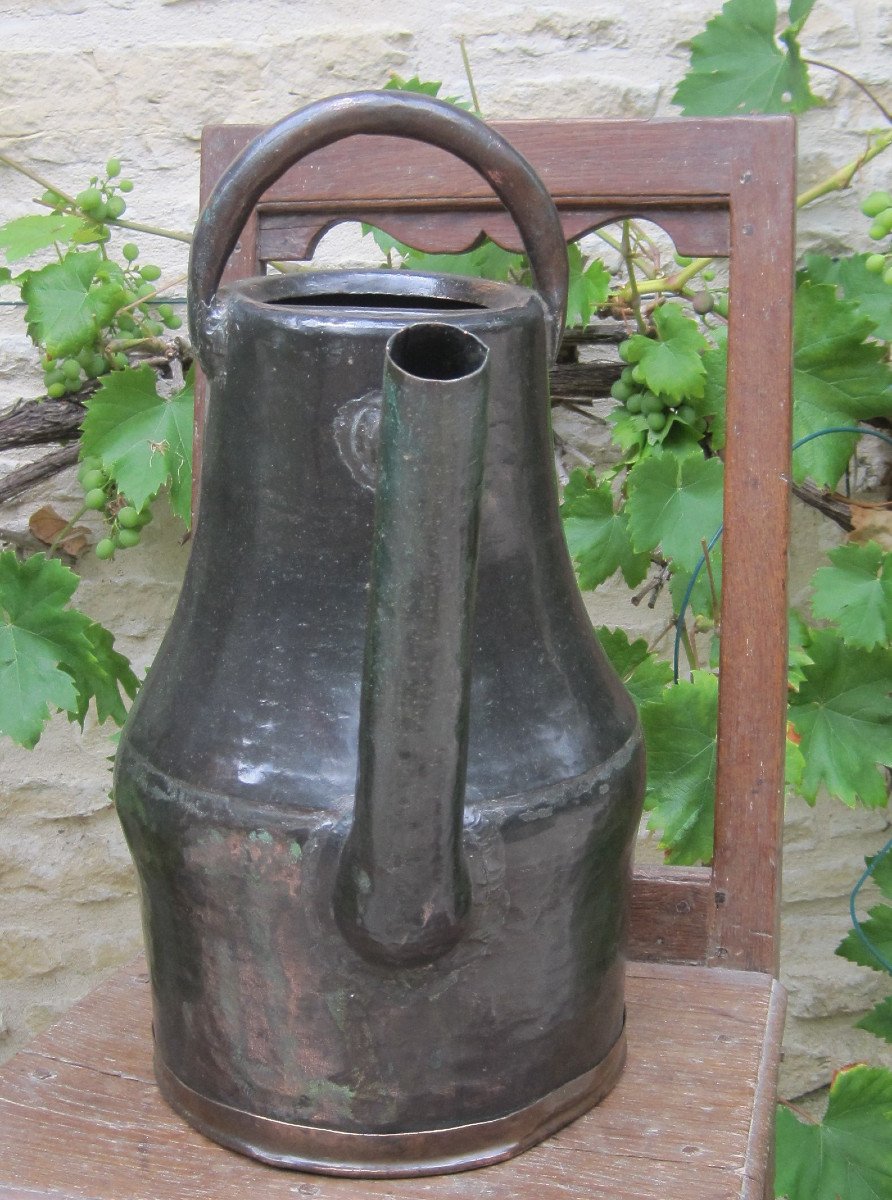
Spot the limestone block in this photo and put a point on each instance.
(25, 953)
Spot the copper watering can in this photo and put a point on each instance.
(381, 785)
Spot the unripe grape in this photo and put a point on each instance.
(95, 498)
(119, 360)
(874, 204)
(130, 250)
(93, 479)
(52, 198)
(624, 352)
(125, 185)
(875, 263)
(105, 548)
(115, 207)
(173, 322)
(633, 404)
(709, 274)
(90, 462)
(89, 199)
(887, 277)
(127, 538)
(638, 373)
(113, 168)
(620, 390)
(651, 403)
(885, 218)
(145, 517)
(721, 306)
(72, 368)
(150, 272)
(703, 302)
(683, 260)
(626, 376)
(686, 413)
(85, 356)
(100, 212)
(877, 231)
(145, 289)
(53, 376)
(165, 310)
(128, 517)
(656, 421)
(56, 391)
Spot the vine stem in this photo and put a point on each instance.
(33, 175)
(816, 62)
(469, 75)
(64, 532)
(800, 1112)
(164, 286)
(836, 182)
(137, 226)
(634, 296)
(175, 235)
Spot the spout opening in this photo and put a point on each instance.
(429, 350)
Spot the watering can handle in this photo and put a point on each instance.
(395, 114)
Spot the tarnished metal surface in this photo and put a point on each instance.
(440, 944)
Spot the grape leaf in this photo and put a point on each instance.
(849, 1154)
(644, 675)
(799, 10)
(859, 285)
(144, 440)
(838, 379)
(24, 235)
(737, 65)
(674, 502)
(422, 87)
(51, 655)
(878, 931)
(486, 261)
(598, 536)
(856, 593)
(881, 871)
(794, 765)
(99, 675)
(715, 364)
(879, 1020)
(589, 287)
(679, 733)
(671, 363)
(843, 714)
(629, 430)
(798, 657)
(66, 306)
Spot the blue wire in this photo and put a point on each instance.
(854, 896)
(808, 437)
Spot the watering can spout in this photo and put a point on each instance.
(402, 891)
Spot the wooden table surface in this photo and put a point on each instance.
(81, 1118)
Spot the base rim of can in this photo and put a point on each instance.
(326, 1151)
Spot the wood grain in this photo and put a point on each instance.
(81, 1118)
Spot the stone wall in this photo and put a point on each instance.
(81, 79)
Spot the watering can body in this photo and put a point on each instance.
(381, 785)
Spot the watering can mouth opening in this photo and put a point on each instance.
(433, 351)
(334, 295)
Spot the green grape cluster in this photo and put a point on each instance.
(125, 522)
(878, 206)
(658, 411)
(137, 316)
